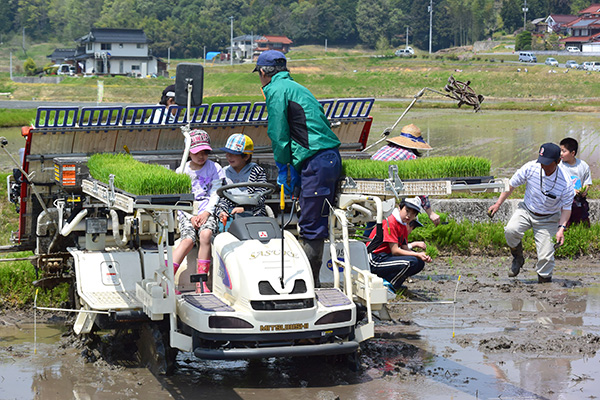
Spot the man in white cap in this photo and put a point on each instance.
(546, 209)
(301, 136)
(391, 257)
(407, 146)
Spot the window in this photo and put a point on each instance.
(140, 45)
(120, 45)
(135, 67)
(90, 46)
(105, 46)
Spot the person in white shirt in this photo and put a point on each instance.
(546, 208)
(167, 99)
(579, 172)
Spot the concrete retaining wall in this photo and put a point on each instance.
(37, 79)
(476, 210)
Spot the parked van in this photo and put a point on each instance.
(408, 51)
(573, 49)
(595, 66)
(526, 56)
(66, 69)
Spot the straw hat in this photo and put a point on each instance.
(410, 137)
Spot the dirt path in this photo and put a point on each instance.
(505, 338)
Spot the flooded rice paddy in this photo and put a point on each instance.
(507, 138)
(504, 339)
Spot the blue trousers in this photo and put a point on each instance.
(319, 177)
(395, 269)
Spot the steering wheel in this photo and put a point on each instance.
(246, 199)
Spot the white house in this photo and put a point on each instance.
(243, 46)
(116, 51)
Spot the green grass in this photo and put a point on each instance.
(422, 168)
(479, 238)
(16, 285)
(16, 277)
(15, 117)
(136, 177)
(346, 72)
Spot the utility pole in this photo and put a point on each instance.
(407, 38)
(525, 9)
(168, 59)
(231, 51)
(325, 45)
(430, 22)
(204, 57)
(23, 44)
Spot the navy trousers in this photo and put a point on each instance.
(319, 177)
(395, 269)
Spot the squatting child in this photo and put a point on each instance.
(198, 229)
(579, 171)
(391, 257)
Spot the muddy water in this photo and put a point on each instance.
(507, 138)
(482, 349)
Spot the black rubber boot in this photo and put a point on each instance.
(518, 260)
(314, 252)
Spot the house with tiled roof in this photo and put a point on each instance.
(269, 42)
(243, 46)
(557, 23)
(585, 30)
(62, 56)
(113, 51)
(251, 46)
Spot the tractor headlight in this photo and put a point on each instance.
(216, 321)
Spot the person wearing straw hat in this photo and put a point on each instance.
(407, 146)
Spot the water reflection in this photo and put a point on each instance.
(508, 138)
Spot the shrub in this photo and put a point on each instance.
(29, 67)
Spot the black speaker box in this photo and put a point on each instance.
(189, 73)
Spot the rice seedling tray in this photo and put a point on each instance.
(127, 202)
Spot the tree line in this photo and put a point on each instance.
(186, 26)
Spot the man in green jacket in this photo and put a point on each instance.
(301, 136)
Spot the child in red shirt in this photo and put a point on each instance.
(390, 255)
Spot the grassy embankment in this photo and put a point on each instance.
(358, 73)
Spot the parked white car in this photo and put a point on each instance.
(571, 64)
(65, 69)
(573, 49)
(587, 65)
(551, 61)
(408, 51)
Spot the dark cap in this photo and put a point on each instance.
(169, 91)
(270, 58)
(415, 223)
(549, 153)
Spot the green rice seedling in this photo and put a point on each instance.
(136, 177)
(423, 168)
(17, 290)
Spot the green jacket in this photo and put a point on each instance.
(298, 127)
